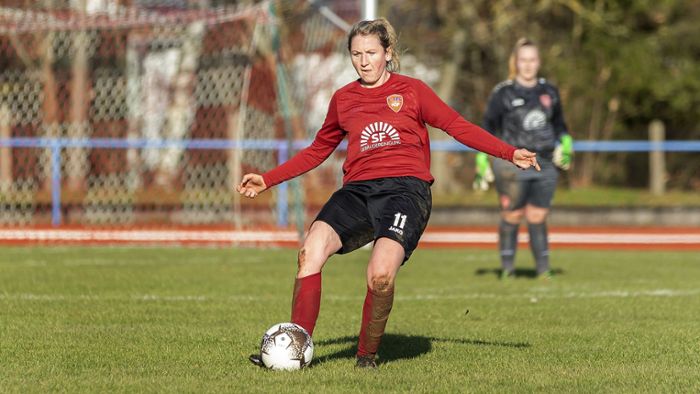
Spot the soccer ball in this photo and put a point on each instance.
(286, 346)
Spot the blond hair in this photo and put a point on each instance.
(387, 37)
(512, 62)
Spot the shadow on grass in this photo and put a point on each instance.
(519, 272)
(398, 347)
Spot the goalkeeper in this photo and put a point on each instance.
(525, 111)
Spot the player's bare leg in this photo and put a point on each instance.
(321, 242)
(539, 244)
(383, 266)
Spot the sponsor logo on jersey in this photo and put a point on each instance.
(534, 120)
(546, 100)
(377, 135)
(517, 102)
(395, 102)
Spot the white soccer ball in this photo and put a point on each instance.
(286, 346)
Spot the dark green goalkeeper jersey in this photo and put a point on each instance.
(529, 118)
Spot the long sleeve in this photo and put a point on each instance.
(493, 117)
(558, 122)
(438, 114)
(326, 141)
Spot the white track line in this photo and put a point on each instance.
(660, 293)
(236, 237)
(203, 236)
(567, 238)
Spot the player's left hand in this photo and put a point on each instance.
(564, 152)
(525, 159)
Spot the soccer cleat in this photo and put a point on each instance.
(366, 362)
(257, 360)
(545, 276)
(507, 275)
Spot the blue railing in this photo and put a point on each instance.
(55, 145)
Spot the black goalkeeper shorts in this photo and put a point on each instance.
(364, 211)
(525, 187)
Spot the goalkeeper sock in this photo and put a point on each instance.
(507, 244)
(306, 301)
(375, 314)
(539, 244)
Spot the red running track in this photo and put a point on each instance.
(631, 238)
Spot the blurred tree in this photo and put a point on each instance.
(619, 64)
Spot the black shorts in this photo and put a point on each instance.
(364, 211)
(525, 187)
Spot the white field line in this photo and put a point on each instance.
(231, 237)
(569, 238)
(660, 293)
(204, 236)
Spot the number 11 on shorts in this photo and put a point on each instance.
(399, 220)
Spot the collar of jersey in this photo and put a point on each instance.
(378, 91)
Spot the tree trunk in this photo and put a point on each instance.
(76, 158)
(594, 128)
(440, 166)
(50, 126)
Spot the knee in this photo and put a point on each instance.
(514, 216)
(381, 284)
(309, 261)
(536, 215)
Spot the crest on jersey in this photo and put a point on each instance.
(546, 100)
(395, 102)
(378, 135)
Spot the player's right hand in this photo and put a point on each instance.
(484, 174)
(251, 185)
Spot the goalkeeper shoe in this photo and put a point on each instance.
(545, 276)
(507, 275)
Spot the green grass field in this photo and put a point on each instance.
(185, 320)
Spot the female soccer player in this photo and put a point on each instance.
(525, 111)
(385, 196)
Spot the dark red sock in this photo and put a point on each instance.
(306, 301)
(375, 314)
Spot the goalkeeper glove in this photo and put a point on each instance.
(564, 152)
(484, 175)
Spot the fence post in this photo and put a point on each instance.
(235, 171)
(282, 198)
(6, 151)
(55, 146)
(657, 160)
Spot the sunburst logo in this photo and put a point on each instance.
(534, 120)
(377, 135)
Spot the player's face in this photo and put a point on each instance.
(369, 59)
(528, 63)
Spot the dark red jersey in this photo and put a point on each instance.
(386, 131)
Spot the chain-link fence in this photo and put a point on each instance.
(118, 113)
